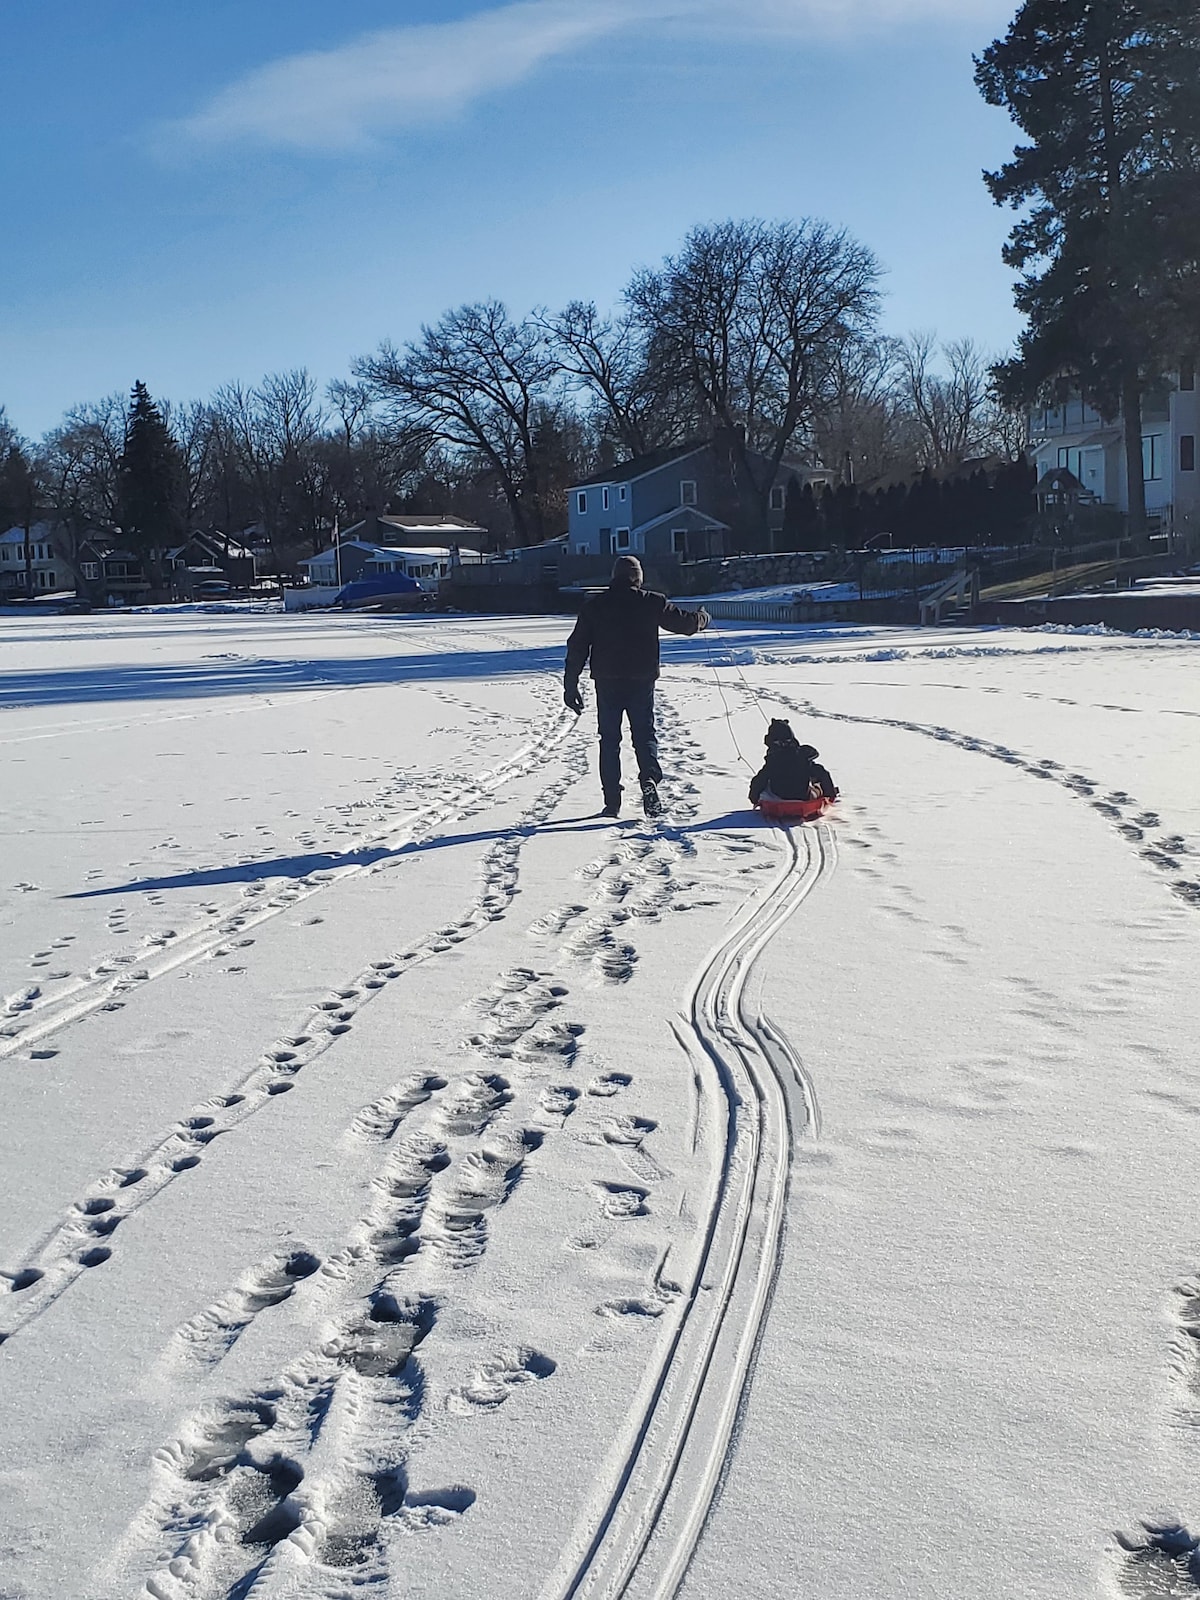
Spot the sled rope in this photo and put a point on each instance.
(721, 691)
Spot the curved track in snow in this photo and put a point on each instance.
(652, 1512)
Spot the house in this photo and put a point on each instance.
(38, 570)
(356, 558)
(109, 574)
(209, 558)
(674, 502)
(415, 531)
(1073, 436)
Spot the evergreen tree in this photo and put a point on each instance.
(18, 499)
(801, 518)
(1108, 94)
(150, 483)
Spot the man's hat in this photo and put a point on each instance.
(628, 570)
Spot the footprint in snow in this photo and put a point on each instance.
(494, 1381)
(213, 1332)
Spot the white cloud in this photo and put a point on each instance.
(405, 77)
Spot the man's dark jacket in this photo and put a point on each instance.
(619, 631)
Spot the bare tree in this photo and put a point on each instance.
(370, 463)
(862, 427)
(481, 384)
(751, 317)
(612, 362)
(955, 404)
(78, 464)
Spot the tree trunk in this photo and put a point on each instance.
(1131, 413)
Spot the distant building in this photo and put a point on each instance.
(356, 558)
(42, 571)
(416, 530)
(672, 502)
(209, 558)
(1074, 438)
(109, 574)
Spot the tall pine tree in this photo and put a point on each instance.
(149, 485)
(1108, 94)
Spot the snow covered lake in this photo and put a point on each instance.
(415, 1184)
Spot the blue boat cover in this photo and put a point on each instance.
(370, 588)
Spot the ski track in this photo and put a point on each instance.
(83, 1239)
(647, 1521)
(284, 1489)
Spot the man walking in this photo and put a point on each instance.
(618, 630)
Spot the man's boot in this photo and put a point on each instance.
(651, 800)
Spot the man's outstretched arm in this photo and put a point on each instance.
(675, 619)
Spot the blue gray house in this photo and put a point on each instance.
(673, 502)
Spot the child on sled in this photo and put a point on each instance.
(791, 782)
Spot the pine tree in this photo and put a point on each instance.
(149, 484)
(1108, 94)
(18, 499)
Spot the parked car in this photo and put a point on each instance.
(213, 589)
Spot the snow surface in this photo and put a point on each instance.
(415, 1184)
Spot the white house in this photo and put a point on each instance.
(47, 570)
(355, 558)
(1076, 437)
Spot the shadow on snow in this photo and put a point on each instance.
(293, 867)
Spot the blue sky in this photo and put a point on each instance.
(195, 194)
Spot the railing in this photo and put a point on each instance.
(961, 590)
(749, 610)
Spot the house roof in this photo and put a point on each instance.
(38, 531)
(390, 551)
(417, 523)
(641, 465)
(343, 544)
(1060, 478)
(677, 515)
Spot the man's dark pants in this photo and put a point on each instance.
(617, 698)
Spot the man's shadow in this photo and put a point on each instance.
(296, 867)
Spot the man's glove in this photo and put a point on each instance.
(572, 698)
(702, 620)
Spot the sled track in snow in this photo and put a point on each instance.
(645, 1527)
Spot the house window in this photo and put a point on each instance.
(581, 504)
(581, 549)
(622, 539)
(3, 552)
(1152, 457)
(687, 492)
(777, 494)
(604, 499)
(90, 569)
(679, 541)
(1187, 452)
(1187, 378)
(50, 581)
(623, 492)
(1072, 459)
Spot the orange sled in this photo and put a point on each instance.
(793, 810)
